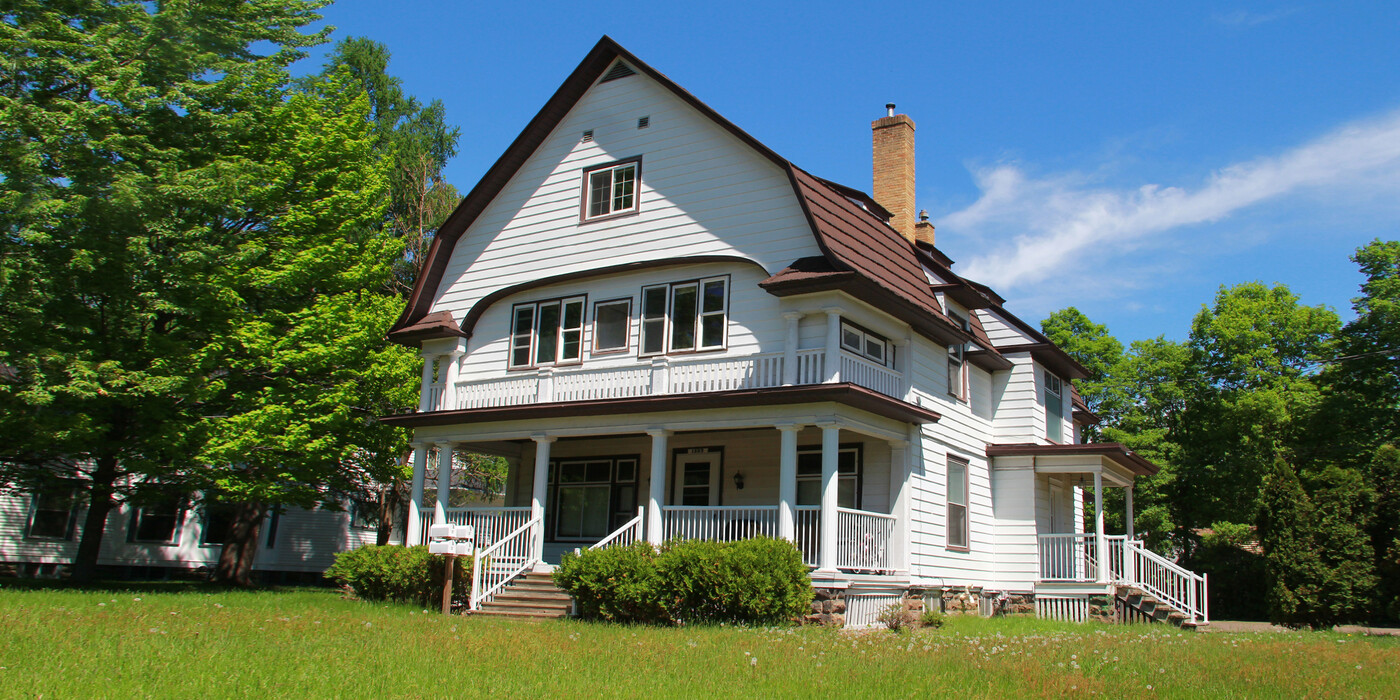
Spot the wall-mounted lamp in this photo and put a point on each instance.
(739, 481)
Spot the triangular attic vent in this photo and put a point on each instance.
(618, 70)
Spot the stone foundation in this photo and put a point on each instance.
(1103, 609)
(828, 608)
(975, 600)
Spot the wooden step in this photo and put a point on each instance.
(531, 596)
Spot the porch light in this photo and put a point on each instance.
(739, 481)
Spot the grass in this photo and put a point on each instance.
(187, 641)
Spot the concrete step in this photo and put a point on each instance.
(520, 614)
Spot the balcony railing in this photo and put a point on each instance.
(664, 376)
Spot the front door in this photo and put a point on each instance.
(1059, 508)
(696, 479)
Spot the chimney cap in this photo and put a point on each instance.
(889, 109)
(923, 215)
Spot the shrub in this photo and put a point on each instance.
(761, 581)
(895, 617)
(931, 618)
(616, 583)
(393, 572)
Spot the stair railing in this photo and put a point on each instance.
(1169, 582)
(630, 532)
(503, 561)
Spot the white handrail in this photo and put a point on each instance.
(863, 540)
(516, 553)
(630, 532)
(1169, 582)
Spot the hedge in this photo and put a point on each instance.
(393, 572)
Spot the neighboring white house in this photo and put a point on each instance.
(39, 537)
(671, 331)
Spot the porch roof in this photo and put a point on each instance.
(843, 393)
(1113, 452)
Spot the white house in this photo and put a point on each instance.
(669, 330)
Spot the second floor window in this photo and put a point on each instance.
(684, 316)
(547, 333)
(610, 189)
(864, 343)
(957, 386)
(1054, 408)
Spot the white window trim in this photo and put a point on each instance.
(627, 330)
(668, 333)
(635, 164)
(533, 339)
(866, 338)
(950, 505)
(72, 528)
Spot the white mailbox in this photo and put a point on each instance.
(463, 532)
(442, 531)
(451, 539)
(442, 547)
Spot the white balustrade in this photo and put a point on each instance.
(863, 540)
(585, 385)
(495, 566)
(1170, 583)
(434, 402)
(863, 372)
(494, 393)
(752, 372)
(631, 531)
(491, 524)
(1074, 557)
(719, 524)
(807, 530)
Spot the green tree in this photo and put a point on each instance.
(1291, 563)
(1091, 345)
(124, 135)
(1384, 477)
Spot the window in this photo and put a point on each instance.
(610, 190)
(957, 503)
(611, 321)
(53, 513)
(592, 496)
(547, 333)
(684, 316)
(218, 520)
(864, 343)
(957, 385)
(157, 521)
(1054, 408)
(809, 476)
(364, 515)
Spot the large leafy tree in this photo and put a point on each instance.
(1099, 352)
(125, 137)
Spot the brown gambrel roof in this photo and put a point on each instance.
(879, 265)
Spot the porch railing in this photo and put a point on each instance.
(1167, 581)
(494, 566)
(630, 532)
(863, 540)
(807, 530)
(1074, 558)
(721, 523)
(490, 523)
(863, 372)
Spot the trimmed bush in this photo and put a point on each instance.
(757, 581)
(931, 618)
(403, 574)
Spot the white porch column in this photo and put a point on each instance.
(899, 504)
(831, 444)
(658, 484)
(448, 401)
(444, 481)
(424, 405)
(541, 486)
(790, 348)
(787, 481)
(414, 535)
(1100, 544)
(1129, 560)
(833, 345)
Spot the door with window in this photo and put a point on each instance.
(696, 479)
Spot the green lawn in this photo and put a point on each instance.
(189, 641)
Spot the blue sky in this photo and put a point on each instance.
(1125, 158)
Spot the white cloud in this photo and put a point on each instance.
(1241, 18)
(1030, 229)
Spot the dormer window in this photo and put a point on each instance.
(861, 342)
(547, 333)
(957, 385)
(611, 190)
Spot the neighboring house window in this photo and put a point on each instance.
(957, 380)
(364, 515)
(157, 522)
(685, 316)
(809, 476)
(547, 333)
(53, 513)
(611, 326)
(1054, 408)
(610, 190)
(218, 519)
(957, 503)
(864, 343)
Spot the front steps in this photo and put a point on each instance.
(1134, 605)
(530, 597)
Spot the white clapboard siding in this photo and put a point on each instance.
(1002, 332)
(1017, 560)
(702, 192)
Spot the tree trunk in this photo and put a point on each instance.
(235, 565)
(95, 524)
(388, 509)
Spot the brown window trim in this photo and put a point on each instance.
(584, 218)
(593, 350)
(583, 339)
(966, 504)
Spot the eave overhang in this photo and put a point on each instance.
(1115, 452)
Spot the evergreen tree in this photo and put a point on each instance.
(1292, 565)
(1384, 477)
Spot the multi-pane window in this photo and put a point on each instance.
(218, 520)
(684, 316)
(957, 385)
(53, 513)
(957, 503)
(157, 521)
(547, 332)
(364, 515)
(592, 496)
(1054, 408)
(809, 476)
(864, 343)
(611, 320)
(610, 189)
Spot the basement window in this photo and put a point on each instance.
(611, 190)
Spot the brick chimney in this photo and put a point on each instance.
(923, 231)
(893, 139)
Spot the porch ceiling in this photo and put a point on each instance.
(844, 393)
